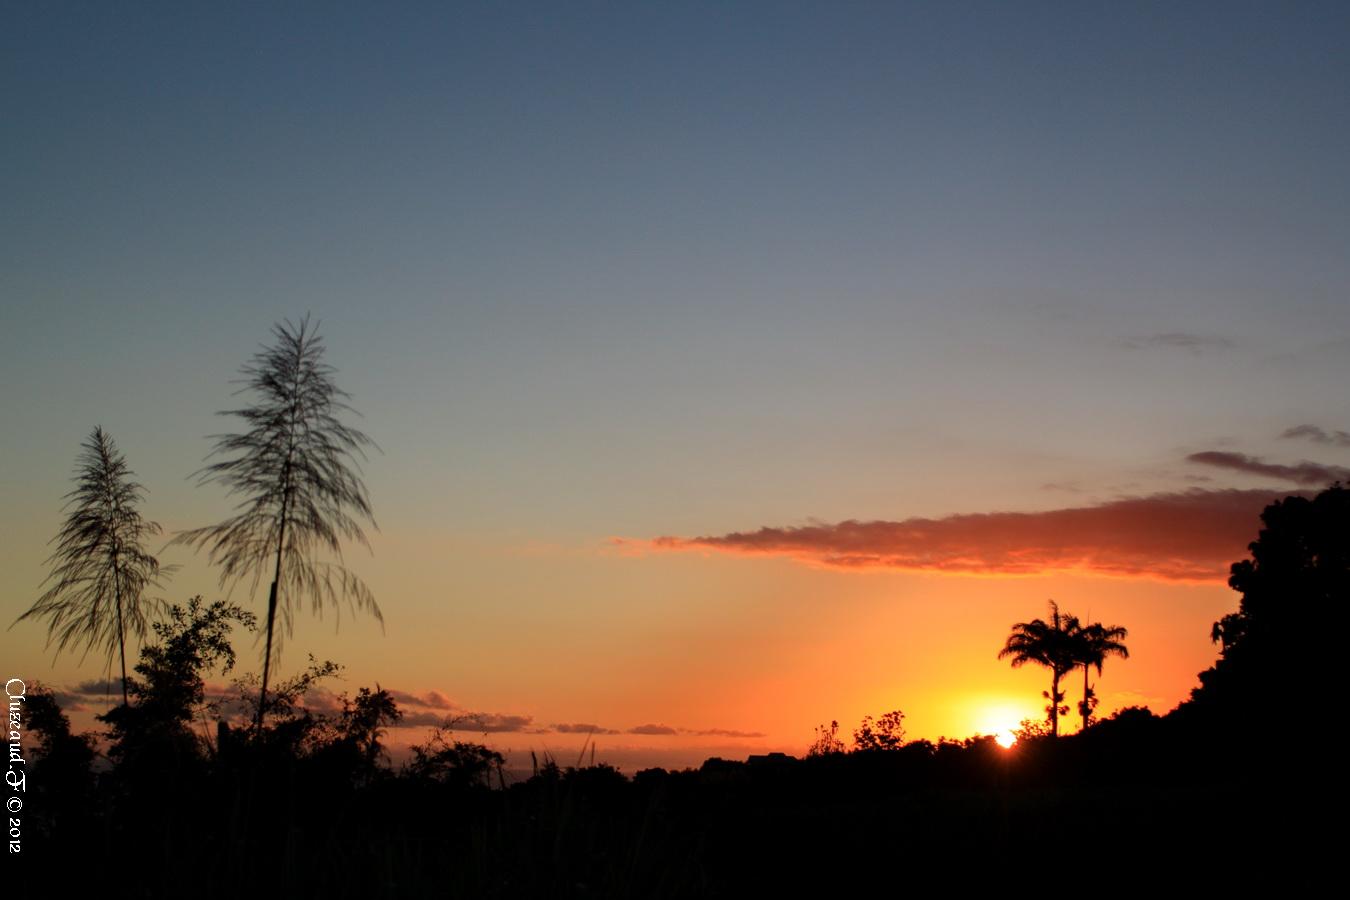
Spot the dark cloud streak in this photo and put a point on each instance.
(1183, 340)
(583, 728)
(1308, 474)
(1318, 435)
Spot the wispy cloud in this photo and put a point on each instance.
(98, 687)
(583, 728)
(428, 700)
(694, 732)
(724, 732)
(1182, 340)
(1318, 435)
(1190, 535)
(1306, 473)
(422, 719)
(71, 702)
(491, 723)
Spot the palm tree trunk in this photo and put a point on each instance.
(1087, 709)
(1054, 702)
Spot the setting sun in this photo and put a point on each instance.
(1002, 721)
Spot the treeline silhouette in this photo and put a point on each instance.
(187, 798)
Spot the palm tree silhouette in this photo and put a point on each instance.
(1051, 644)
(1095, 643)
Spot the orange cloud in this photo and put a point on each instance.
(1191, 535)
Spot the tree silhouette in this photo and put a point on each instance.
(885, 733)
(1051, 644)
(100, 568)
(295, 468)
(192, 640)
(1299, 572)
(1095, 643)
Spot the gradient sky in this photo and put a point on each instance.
(601, 274)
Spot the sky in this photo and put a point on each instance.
(737, 368)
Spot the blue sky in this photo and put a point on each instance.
(622, 269)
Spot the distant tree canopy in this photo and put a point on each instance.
(885, 733)
(1299, 571)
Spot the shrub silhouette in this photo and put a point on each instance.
(455, 763)
(827, 741)
(156, 730)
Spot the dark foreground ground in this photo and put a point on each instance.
(1136, 803)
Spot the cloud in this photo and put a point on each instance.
(1183, 340)
(98, 687)
(71, 702)
(429, 700)
(424, 719)
(1306, 473)
(694, 732)
(321, 701)
(583, 728)
(489, 723)
(1318, 435)
(434, 709)
(1192, 535)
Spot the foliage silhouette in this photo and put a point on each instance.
(1031, 730)
(291, 729)
(886, 733)
(1051, 644)
(62, 773)
(192, 640)
(454, 762)
(827, 741)
(100, 569)
(1299, 572)
(352, 739)
(1095, 643)
(295, 469)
